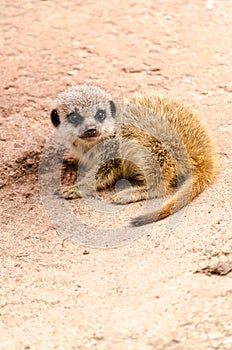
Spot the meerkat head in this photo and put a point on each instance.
(85, 114)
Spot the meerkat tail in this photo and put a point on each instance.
(186, 193)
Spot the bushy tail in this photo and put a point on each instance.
(184, 195)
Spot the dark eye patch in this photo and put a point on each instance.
(100, 115)
(112, 108)
(55, 117)
(75, 118)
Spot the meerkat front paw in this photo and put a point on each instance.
(69, 192)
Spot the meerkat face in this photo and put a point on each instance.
(84, 114)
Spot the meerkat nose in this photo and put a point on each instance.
(90, 132)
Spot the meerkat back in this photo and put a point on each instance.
(200, 146)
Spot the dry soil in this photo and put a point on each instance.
(172, 287)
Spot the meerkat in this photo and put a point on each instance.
(161, 146)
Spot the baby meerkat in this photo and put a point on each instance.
(159, 145)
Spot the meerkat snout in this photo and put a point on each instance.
(91, 131)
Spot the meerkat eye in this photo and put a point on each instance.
(75, 118)
(100, 115)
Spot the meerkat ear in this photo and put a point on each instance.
(112, 108)
(55, 118)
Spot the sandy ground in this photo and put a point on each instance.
(172, 287)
